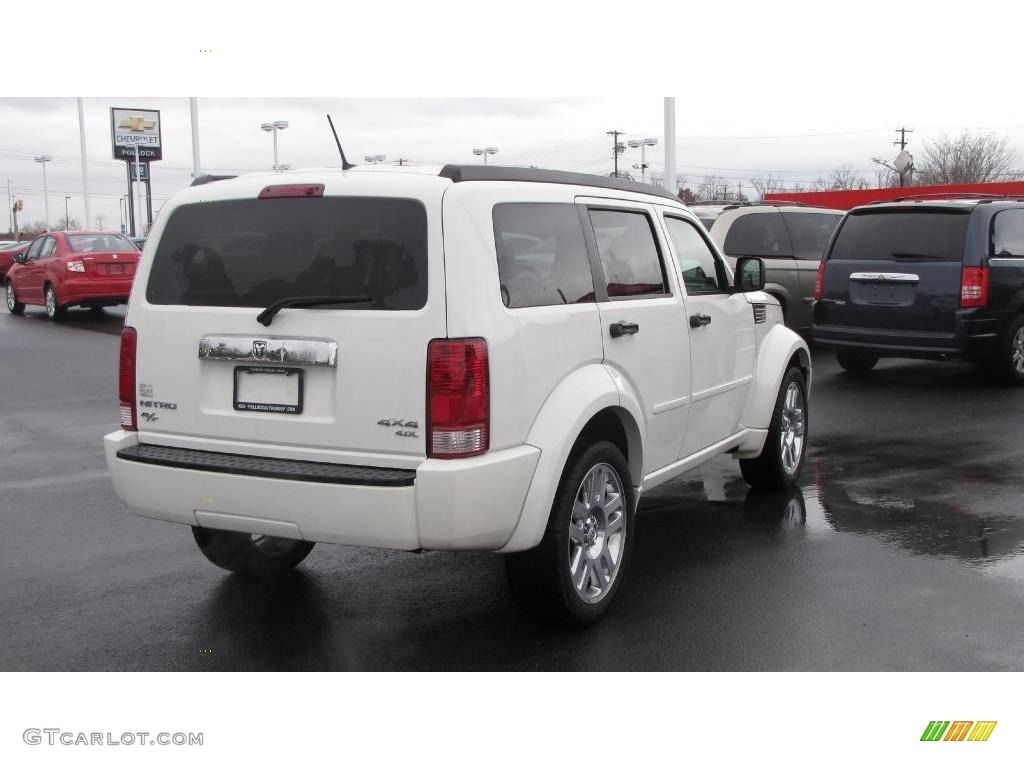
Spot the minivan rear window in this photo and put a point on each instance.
(810, 232)
(251, 253)
(895, 235)
(758, 234)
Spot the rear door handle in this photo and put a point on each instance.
(696, 321)
(623, 329)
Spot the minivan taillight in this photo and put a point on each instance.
(819, 282)
(126, 378)
(974, 287)
(458, 398)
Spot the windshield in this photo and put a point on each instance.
(884, 235)
(99, 243)
(252, 253)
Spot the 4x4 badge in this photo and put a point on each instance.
(259, 349)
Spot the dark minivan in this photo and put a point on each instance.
(933, 279)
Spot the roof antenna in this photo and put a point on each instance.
(345, 164)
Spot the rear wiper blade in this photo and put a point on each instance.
(266, 317)
(901, 255)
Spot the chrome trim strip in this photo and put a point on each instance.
(276, 349)
(885, 277)
(696, 397)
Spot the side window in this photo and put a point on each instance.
(48, 247)
(1008, 233)
(758, 234)
(629, 253)
(701, 272)
(34, 249)
(542, 255)
(810, 232)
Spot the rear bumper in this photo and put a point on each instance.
(972, 339)
(464, 504)
(94, 290)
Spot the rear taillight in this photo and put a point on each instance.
(974, 287)
(819, 282)
(126, 378)
(292, 190)
(458, 398)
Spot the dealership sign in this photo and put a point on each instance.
(131, 128)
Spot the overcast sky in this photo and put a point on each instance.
(752, 134)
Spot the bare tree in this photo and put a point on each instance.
(966, 159)
(767, 185)
(842, 178)
(687, 196)
(65, 223)
(35, 228)
(711, 188)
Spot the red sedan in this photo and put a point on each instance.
(7, 254)
(63, 269)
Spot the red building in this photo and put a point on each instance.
(848, 198)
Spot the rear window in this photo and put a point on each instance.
(758, 234)
(99, 243)
(251, 253)
(902, 235)
(810, 232)
(542, 256)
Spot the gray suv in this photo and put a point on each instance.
(791, 239)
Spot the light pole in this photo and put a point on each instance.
(67, 212)
(643, 144)
(44, 159)
(120, 209)
(485, 151)
(374, 159)
(274, 127)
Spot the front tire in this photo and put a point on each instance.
(856, 360)
(573, 575)
(1008, 363)
(782, 458)
(250, 554)
(54, 311)
(14, 306)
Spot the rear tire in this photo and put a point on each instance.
(54, 311)
(856, 360)
(14, 306)
(573, 575)
(778, 467)
(250, 554)
(1008, 363)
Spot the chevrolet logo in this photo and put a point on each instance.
(137, 124)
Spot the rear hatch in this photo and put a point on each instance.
(340, 382)
(104, 255)
(895, 268)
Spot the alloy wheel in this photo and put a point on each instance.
(792, 428)
(1017, 351)
(51, 302)
(11, 300)
(597, 533)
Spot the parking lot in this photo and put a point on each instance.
(903, 550)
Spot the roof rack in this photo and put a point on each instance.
(943, 195)
(458, 173)
(206, 178)
(730, 204)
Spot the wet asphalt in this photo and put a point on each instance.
(902, 550)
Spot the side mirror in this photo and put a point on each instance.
(750, 274)
(22, 257)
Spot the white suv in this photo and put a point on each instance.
(457, 358)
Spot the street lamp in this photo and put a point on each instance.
(44, 159)
(67, 212)
(485, 151)
(374, 159)
(274, 127)
(643, 144)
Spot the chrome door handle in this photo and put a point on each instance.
(696, 321)
(622, 329)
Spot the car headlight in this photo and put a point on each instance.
(76, 266)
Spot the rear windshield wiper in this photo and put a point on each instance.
(266, 317)
(928, 256)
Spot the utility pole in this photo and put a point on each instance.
(85, 165)
(902, 144)
(67, 213)
(10, 204)
(615, 149)
(193, 108)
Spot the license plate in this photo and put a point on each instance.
(115, 269)
(268, 390)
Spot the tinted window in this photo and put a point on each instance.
(758, 234)
(902, 235)
(697, 262)
(49, 245)
(1008, 233)
(542, 256)
(98, 243)
(250, 253)
(629, 253)
(810, 232)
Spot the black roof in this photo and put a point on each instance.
(459, 173)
